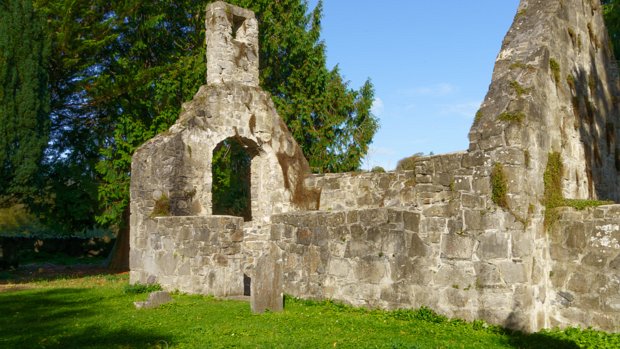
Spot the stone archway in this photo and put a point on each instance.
(231, 170)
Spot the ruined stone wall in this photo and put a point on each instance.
(438, 235)
(585, 274)
(400, 257)
(191, 254)
(397, 258)
(554, 90)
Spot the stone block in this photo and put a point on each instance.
(372, 217)
(395, 217)
(575, 236)
(493, 245)
(360, 248)
(454, 246)
(393, 243)
(304, 236)
(411, 221)
(594, 259)
(488, 276)
(461, 275)
(473, 220)
(267, 283)
(461, 183)
(370, 269)
(514, 273)
(579, 283)
(418, 248)
(615, 264)
(339, 267)
(154, 300)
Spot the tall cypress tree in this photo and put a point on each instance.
(24, 101)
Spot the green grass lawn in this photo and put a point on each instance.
(98, 312)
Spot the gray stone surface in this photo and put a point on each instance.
(431, 236)
(267, 282)
(154, 300)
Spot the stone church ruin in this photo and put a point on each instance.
(479, 234)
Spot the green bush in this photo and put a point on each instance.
(378, 169)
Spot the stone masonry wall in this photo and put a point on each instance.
(191, 254)
(433, 236)
(585, 273)
(396, 257)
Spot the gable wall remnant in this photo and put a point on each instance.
(467, 234)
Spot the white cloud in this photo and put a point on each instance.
(467, 109)
(377, 107)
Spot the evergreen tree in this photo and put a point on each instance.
(121, 70)
(611, 12)
(160, 64)
(24, 101)
(80, 33)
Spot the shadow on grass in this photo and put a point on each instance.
(540, 341)
(51, 272)
(63, 318)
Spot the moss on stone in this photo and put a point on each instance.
(478, 116)
(555, 70)
(516, 117)
(526, 158)
(499, 186)
(162, 207)
(520, 90)
(553, 197)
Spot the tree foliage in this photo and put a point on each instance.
(611, 12)
(118, 72)
(231, 180)
(160, 63)
(24, 101)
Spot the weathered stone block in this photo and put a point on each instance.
(514, 273)
(454, 246)
(267, 283)
(411, 221)
(370, 269)
(154, 300)
(575, 236)
(418, 248)
(493, 245)
(488, 276)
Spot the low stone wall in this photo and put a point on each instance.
(191, 254)
(345, 191)
(393, 258)
(398, 258)
(585, 273)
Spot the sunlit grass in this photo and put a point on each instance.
(97, 312)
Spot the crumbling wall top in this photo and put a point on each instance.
(232, 45)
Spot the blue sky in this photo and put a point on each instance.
(430, 63)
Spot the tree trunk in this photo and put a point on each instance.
(119, 256)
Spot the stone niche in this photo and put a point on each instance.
(172, 173)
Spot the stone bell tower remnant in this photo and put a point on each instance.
(232, 45)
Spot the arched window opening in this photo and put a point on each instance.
(231, 170)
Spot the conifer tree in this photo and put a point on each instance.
(24, 101)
